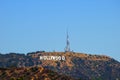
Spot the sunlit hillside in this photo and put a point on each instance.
(77, 65)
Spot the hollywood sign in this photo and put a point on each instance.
(52, 58)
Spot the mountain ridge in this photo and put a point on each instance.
(77, 65)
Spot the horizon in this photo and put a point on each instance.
(43, 51)
(94, 26)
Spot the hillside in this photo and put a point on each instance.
(77, 65)
(30, 73)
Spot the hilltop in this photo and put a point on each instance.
(77, 65)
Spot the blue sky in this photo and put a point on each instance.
(31, 25)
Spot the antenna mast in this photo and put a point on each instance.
(67, 48)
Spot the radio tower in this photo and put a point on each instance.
(67, 48)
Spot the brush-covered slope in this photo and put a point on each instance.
(30, 73)
(77, 65)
